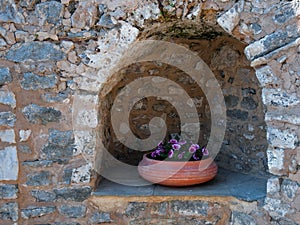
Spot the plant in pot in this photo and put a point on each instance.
(177, 162)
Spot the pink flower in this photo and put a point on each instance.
(196, 146)
(173, 141)
(205, 151)
(176, 146)
(171, 153)
(192, 149)
(182, 142)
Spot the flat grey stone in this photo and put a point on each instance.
(71, 211)
(226, 183)
(7, 118)
(8, 191)
(36, 51)
(32, 212)
(9, 164)
(41, 115)
(34, 82)
(9, 12)
(9, 211)
(5, 76)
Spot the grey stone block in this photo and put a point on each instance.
(32, 211)
(72, 211)
(77, 194)
(231, 101)
(36, 51)
(189, 208)
(238, 218)
(41, 115)
(5, 76)
(9, 12)
(100, 217)
(9, 211)
(9, 164)
(60, 146)
(249, 103)
(237, 114)
(7, 98)
(7, 119)
(39, 178)
(43, 196)
(34, 82)
(50, 12)
(8, 191)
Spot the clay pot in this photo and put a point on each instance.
(172, 173)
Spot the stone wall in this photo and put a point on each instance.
(57, 56)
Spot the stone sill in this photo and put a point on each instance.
(226, 184)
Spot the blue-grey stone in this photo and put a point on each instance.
(43, 196)
(39, 178)
(3, 43)
(60, 146)
(8, 191)
(238, 218)
(237, 114)
(284, 14)
(249, 103)
(41, 115)
(38, 163)
(7, 98)
(189, 208)
(231, 101)
(136, 209)
(5, 76)
(9, 12)
(7, 119)
(9, 211)
(36, 51)
(72, 211)
(100, 217)
(34, 82)
(77, 194)
(33, 211)
(256, 28)
(106, 21)
(67, 176)
(66, 223)
(9, 164)
(248, 91)
(50, 12)
(52, 98)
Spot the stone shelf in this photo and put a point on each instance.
(227, 183)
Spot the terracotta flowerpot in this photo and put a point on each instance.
(172, 173)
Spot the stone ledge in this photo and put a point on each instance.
(227, 183)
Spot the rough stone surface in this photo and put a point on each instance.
(5, 76)
(85, 15)
(77, 194)
(41, 115)
(8, 191)
(9, 211)
(72, 211)
(36, 51)
(7, 98)
(38, 163)
(33, 211)
(237, 114)
(7, 119)
(189, 208)
(7, 136)
(60, 146)
(238, 218)
(9, 12)
(9, 164)
(34, 82)
(43, 196)
(282, 138)
(50, 12)
(39, 178)
(100, 217)
(249, 103)
(231, 101)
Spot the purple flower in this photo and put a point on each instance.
(173, 141)
(196, 146)
(176, 146)
(192, 149)
(195, 157)
(153, 154)
(160, 144)
(205, 151)
(171, 153)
